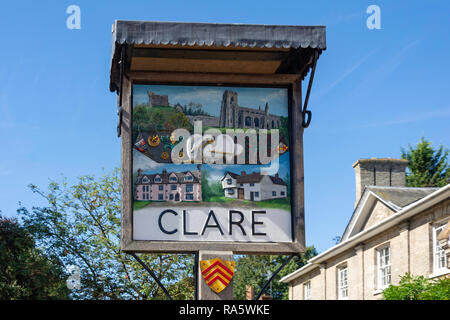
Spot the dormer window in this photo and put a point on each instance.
(173, 178)
(188, 177)
(158, 179)
(145, 180)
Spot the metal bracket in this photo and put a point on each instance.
(152, 274)
(274, 275)
(305, 112)
(119, 108)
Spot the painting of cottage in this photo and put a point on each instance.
(168, 186)
(253, 186)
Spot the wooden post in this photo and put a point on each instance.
(204, 292)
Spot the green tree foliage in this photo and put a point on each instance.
(25, 272)
(210, 188)
(141, 118)
(193, 109)
(427, 167)
(418, 288)
(179, 120)
(156, 120)
(81, 226)
(284, 129)
(252, 270)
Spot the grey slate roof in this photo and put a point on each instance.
(395, 197)
(165, 177)
(254, 177)
(401, 196)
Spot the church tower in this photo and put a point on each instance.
(229, 110)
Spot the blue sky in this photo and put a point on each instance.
(374, 91)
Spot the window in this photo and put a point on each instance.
(173, 179)
(256, 194)
(384, 267)
(438, 252)
(274, 193)
(161, 187)
(190, 187)
(161, 196)
(230, 191)
(252, 184)
(307, 291)
(158, 179)
(171, 196)
(173, 187)
(189, 196)
(188, 178)
(342, 283)
(241, 185)
(145, 180)
(229, 181)
(283, 193)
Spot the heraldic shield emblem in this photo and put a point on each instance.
(217, 273)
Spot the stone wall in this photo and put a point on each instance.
(411, 250)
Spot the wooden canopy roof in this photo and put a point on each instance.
(213, 48)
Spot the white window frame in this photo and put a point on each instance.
(307, 290)
(383, 267)
(438, 253)
(342, 282)
(190, 195)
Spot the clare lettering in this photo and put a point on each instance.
(160, 221)
(185, 231)
(207, 225)
(254, 223)
(238, 223)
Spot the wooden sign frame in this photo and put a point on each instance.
(290, 81)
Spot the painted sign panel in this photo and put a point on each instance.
(211, 163)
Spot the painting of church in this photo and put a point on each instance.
(253, 186)
(234, 116)
(169, 186)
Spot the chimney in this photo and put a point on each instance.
(243, 173)
(379, 172)
(276, 175)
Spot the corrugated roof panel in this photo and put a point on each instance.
(215, 34)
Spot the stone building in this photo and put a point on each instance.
(393, 230)
(234, 116)
(157, 100)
